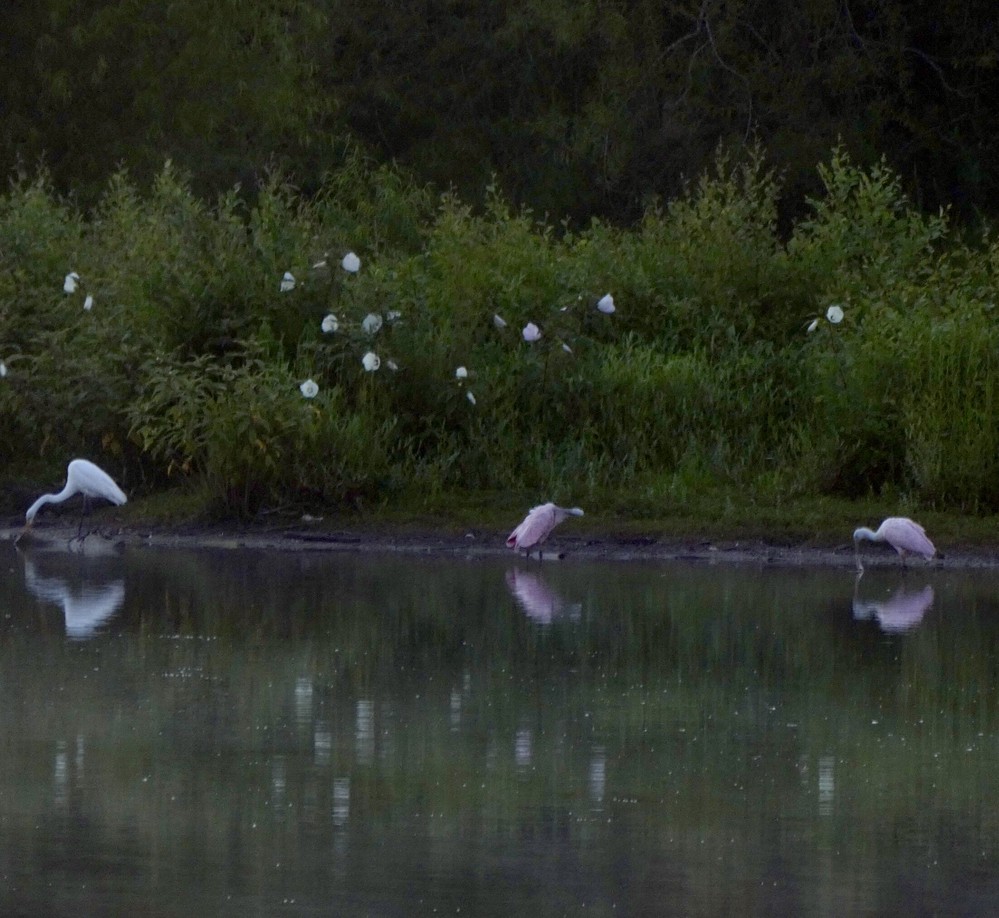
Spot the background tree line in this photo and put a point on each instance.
(577, 107)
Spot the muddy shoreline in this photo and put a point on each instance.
(478, 543)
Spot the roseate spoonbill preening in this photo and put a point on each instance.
(904, 535)
(82, 477)
(537, 526)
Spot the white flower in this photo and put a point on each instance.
(371, 361)
(470, 397)
(351, 263)
(498, 321)
(814, 324)
(287, 282)
(372, 322)
(70, 281)
(461, 373)
(3, 369)
(566, 348)
(606, 304)
(531, 332)
(835, 314)
(330, 324)
(393, 315)
(392, 365)
(309, 389)
(88, 303)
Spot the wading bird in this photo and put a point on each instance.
(537, 526)
(904, 535)
(82, 477)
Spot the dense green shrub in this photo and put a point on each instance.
(855, 357)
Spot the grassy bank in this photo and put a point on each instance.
(376, 347)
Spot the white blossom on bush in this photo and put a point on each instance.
(88, 303)
(372, 322)
(606, 304)
(70, 281)
(330, 324)
(461, 373)
(531, 332)
(470, 397)
(351, 263)
(371, 361)
(835, 314)
(287, 282)
(498, 321)
(309, 388)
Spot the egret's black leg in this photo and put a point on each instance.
(84, 513)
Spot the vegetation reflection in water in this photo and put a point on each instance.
(267, 733)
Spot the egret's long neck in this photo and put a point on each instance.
(47, 499)
(864, 533)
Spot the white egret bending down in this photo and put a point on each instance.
(82, 477)
(537, 526)
(904, 535)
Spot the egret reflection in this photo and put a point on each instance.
(537, 599)
(86, 605)
(898, 612)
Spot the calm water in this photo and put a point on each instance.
(238, 733)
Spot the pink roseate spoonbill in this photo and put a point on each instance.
(906, 536)
(538, 525)
(82, 477)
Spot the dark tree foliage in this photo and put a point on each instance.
(577, 107)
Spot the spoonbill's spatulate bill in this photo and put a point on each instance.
(538, 525)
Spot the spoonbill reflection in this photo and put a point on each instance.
(85, 607)
(906, 536)
(538, 525)
(82, 477)
(901, 611)
(538, 600)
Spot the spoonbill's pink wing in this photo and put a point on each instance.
(535, 528)
(905, 535)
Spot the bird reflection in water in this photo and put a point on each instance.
(898, 612)
(538, 600)
(86, 604)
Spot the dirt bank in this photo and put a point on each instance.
(475, 543)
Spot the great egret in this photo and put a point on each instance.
(82, 477)
(904, 535)
(538, 525)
